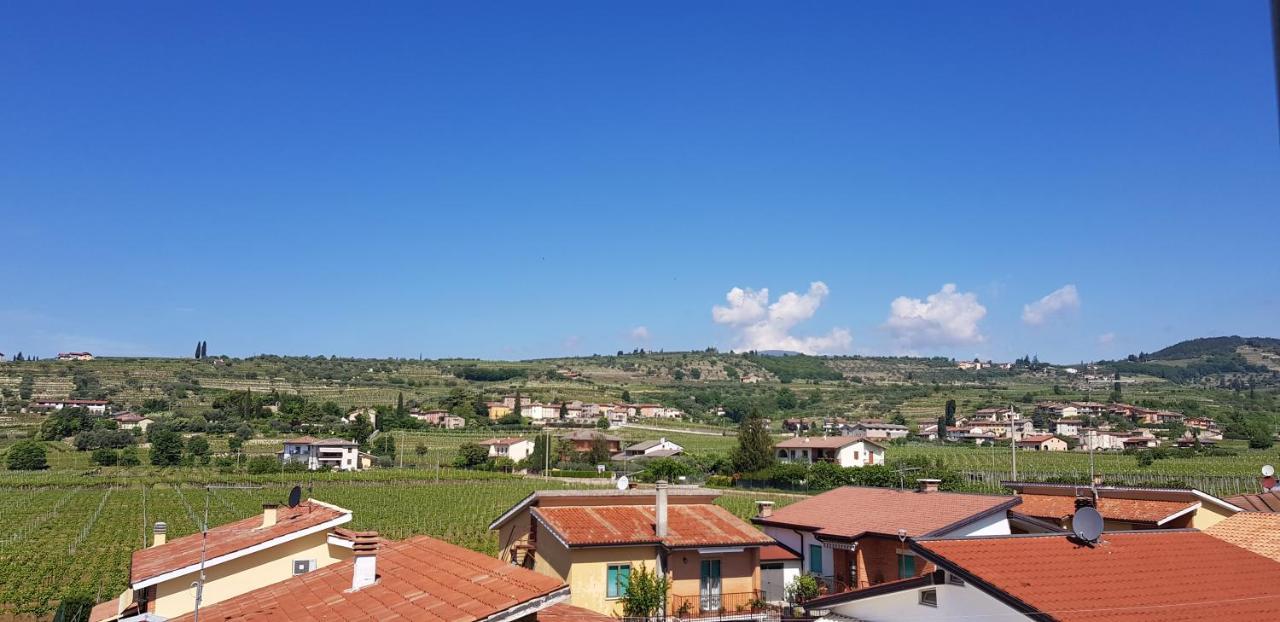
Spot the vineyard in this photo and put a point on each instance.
(59, 540)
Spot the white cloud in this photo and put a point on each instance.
(1060, 300)
(764, 326)
(1106, 339)
(640, 333)
(947, 317)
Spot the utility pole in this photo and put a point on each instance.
(1013, 445)
(204, 545)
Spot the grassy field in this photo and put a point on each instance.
(57, 540)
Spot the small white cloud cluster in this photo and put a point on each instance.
(640, 333)
(1056, 302)
(764, 326)
(948, 317)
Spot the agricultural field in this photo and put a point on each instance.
(57, 539)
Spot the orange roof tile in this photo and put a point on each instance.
(562, 612)
(777, 553)
(853, 511)
(421, 578)
(104, 611)
(1135, 576)
(700, 524)
(1253, 531)
(1262, 502)
(819, 442)
(226, 539)
(1058, 507)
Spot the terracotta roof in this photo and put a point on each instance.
(1058, 507)
(563, 612)
(636, 496)
(589, 435)
(1253, 531)
(777, 553)
(301, 440)
(226, 539)
(853, 511)
(1260, 502)
(104, 611)
(695, 524)
(1136, 576)
(820, 442)
(128, 418)
(420, 578)
(1036, 439)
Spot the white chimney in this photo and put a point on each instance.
(928, 485)
(365, 571)
(660, 509)
(159, 534)
(269, 513)
(764, 509)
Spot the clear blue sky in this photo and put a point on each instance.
(522, 179)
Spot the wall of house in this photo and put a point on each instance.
(1208, 515)
(176, 597)
(801, 542)
(877, 561)
(995, 525)
(774, 580)
(514, 531)
(551, 557)
(739, 572)
(954, 603)
(588, 573)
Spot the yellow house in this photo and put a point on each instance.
(497, 410)
(237, 557)
(597, 540)
(1123, 507)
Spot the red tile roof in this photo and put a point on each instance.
(777, 553)
(1036, 439)
(1138, 576)
(421, 578)
(1261, 502)
(562, 612)
(226, 539)
(698, 524)
(819, 442)
(505, 441)
(1058, 507)
(1253, 531)
(853, 511)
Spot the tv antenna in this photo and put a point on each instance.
(902, 476)
(1268, 478)
(1087, 525)
(198, 584)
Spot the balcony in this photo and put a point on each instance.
(722, 606)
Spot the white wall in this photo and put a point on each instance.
(774, 582)
(801, 543)
(954, 603)
(995, 525)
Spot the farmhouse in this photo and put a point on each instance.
(132, 421)
(75, 356)
(96, 407)
(1135, 576)
(846, 451)
(876, 430)
(661, 448)
(596, 540)
(1042, 442)
(238, 557)
(515, 448)
(583, 439)
(856, 537)
(329, 453)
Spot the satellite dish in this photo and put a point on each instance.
(1087, 524)
(623, 483)
(1268, 470)
(295, 496)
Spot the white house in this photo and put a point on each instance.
(661, 448)
(515, 448)
(95, 407)
(847, 451)
(1098, 440)
(334, 453)
(370, 414)
(877, 430)
(1067, 427)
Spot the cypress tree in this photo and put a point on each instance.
(755, 447)
(197, 350)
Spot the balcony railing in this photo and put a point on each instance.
(719, 605)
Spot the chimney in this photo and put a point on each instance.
(269, 513)
(365, 547)
(660, 510)
(927, 485)
(159, 534)
(764, 509)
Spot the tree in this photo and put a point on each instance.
(898, 419)
(602, 423)
(105, 457)
(1260, 435)
(400, 403)
(384, 445)
(262, 465)
(942, 429)
(197, 354)
(644, 593)
(755, 447)
(599, 452)
(27, 456)
(166, 447)
(420, 450)
(564, 410)
(470, 455)
(803, 587)
(537, 458)
(516, 410)
(198, 447)
(129, 457)
(360, 429)
(244, 432)
(234, 444)
(950, 410)
(74, 608)
(787, 399)
(511, 418)
(626, 396)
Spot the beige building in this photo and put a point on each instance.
(237, 558)
(515, 448)
(1123, 508)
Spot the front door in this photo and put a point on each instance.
(709, 593)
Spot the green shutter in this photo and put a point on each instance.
(815, 559)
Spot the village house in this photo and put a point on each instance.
(595, 540)
(1057, 410)
(75, 356)
(370, 415)
(498, 410)
(846, 451)
(928, 432)
(1067, 427)
(1042, 442)
(1135, 576)
(515, 448)
(1122, 508)
(661, 448)
(330, 453)
(93, 407)
(1000, 414)
(510, 401)
(1099, 440)
(855, 537)
(876, 430)
(582, 440)
(132, 421)
(238, 558)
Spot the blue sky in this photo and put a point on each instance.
(516, 179)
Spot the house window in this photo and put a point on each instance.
(929, 598)
(303, 566)
(617, 581)
(955, 580)
(815, 559)
(906, 565)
